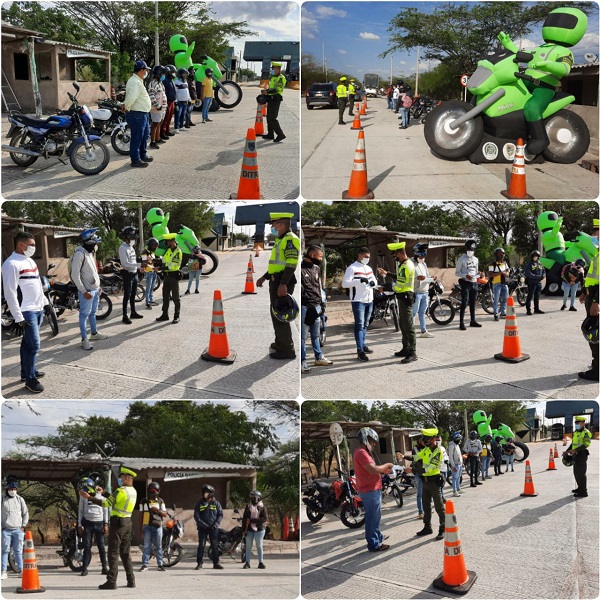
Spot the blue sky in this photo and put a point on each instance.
(355, 33)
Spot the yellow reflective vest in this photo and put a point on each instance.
(405, 279)
(351, 89)
(342, 91)
(431, 460)
(277, 83)
(591, 278)
(581, 438)
(172, 259)
(285, 253)
(122, 501)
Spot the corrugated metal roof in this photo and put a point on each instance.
(175, 463)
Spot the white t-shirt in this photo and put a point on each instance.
(21, 272)
(359, 292)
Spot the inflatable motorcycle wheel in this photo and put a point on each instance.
(452, 144)
(212, 262)
(235, 94)
(522, 451)
(352, 521)
(313, 516)
(569, 137)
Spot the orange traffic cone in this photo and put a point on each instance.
(363, 109)
(249, 288)
(297, 527)
(249, 186)
(250, 263)
(218, 345)
(356, 123)
(257, 252)
(285, 528)
(528, 490)
(551, 465)
(259, 127)
(511, 350)
(359, 183)
(455, 577)
(30, 580)
(264, 110)
(365, 102)
(555, 451)
(517, 188)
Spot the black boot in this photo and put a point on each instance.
(538, 138)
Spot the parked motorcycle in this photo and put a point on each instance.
(109, 119)
(229, 541)
(390, 489)
(404, 479)
(322, 497)
(172, 550)
(440, 310)
(114, 284)
(64, 135)
(455, 129)
(71, 545)
(484, 296)
(385, 305)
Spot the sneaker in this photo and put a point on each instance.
(4, 575)
(208, 120)
(305, 367)
(197, 292)
(262, 565)
(488, 476)
(175, 320)
(563, 307)
(426, 334)
(171, 133)
(152, 303)
(278, 140)
(161, 568)
(362, 357)
(131, 584)
(410, 358)
(246, 565)
(104, 570)
(478, 483)
(537, 311)
(98, 336)
(420, 516)
(108, 585)
(149, 306)
(580, 494)
(323, 362)
(279, 355)
(161, 140)
(186, 292)
(127, 320)
(496, 318)
(143, 568)
(529, 313)
(218, 566)
(590, 375)
(456, 494)
(573, 309)
(462, 327)
(198, 567)
(503, 316)
(440, 535)
(175, 130)
(163, 318)
(136, 315)
(473, 485)
(86, 344)
(475, 324)
(154, 145)
(381, 548)
(367, 350)
(34, 386)
(38, 375)
(400, 353)
(84, 572)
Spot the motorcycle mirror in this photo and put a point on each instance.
(102, 88)
(236, 511)
(75, 85)
(51, 266)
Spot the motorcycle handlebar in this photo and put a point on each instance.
(522, 56)
(524, 76)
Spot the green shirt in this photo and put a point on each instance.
(136, 95)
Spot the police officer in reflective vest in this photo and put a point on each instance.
(582, 438)
(275, 98)
(351, 96)
(591, 298)
(430, 458)
(405, 292)
(342, 96)
(121, 504)
(171, 264)
(282, 279)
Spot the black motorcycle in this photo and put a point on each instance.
(403, 479)
(71, 545)
(172, 550)
(440, 310)
(229, 541)
(385, 305)
(391, 489)
(114, 284)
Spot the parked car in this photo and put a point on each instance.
(321, 94)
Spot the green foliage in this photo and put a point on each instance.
(441, 83)
(121, 67)
(312, 71)
(65, 213)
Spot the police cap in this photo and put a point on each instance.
(395, 246)
(169, 236)
(343, 78)
(596, 223)
(580, 419)
(277, 64)
(430, 432)
(126, 471)
(280, 215)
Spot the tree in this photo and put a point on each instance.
(279, 411)
(441, 83)
(65, 213)
(312, 71)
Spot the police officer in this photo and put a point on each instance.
(275, 96)
(121, 504)
(405, 292)
(582, 438)
(351, 96)
(431, 457)
(171, 264)
(590, 297)
(282, 279)
(342, 96)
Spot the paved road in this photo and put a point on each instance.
(459, 364)
(533, 547)
(401, 166)
(202, 163)
(161, 360)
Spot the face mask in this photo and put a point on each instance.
(132, 242)
(12, 493)
(90, 247)
(162, 77)
(365, 260)
(271, 72)
(421, 259)
(145, 74)
(470, 253)
(119, 482)
(580, 427)
(316, 261)
(29, 251)
(595, 240)
(254, 501)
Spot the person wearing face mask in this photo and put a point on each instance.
(582, 438)
(499, 272)
(455, 460)
(444, 464)
(15, 517)
(275, 98)
(129, 272)
(254, 519)
(171, 95)
(208, 515)
(360, 281)
(467, 271)
(84, 274)
(473, 449)
(26, 300)
(591, 298)
(171, 265)
(311, 306)
(422, 281)
(121, 504)
(158, 99)
(534, 274)
(137, 105)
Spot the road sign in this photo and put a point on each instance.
(336, 433)
(463, 80)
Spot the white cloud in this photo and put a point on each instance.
(402, 62)
(310, 25)
(327, 11)
(365, 35)
(343, 51)
(528, 44)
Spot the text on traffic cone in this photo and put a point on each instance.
(528, 490)
(249, 185)
(551, 465)
(249, 288)
(259, 127)
(218, 346)
(30, 580)
(517, 187)
(511, 349)
(359, 182)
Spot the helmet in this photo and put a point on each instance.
(365, 433)
(181, 72)
(470, 245)
(498, 438)
(498, 251)
(208, 488)
(153, 489)
(88, 236)
(589, 328)
(158, 70)
(138, 65)
(420, 249)
(170, 69)
(88, 485)
(568, 460)
(487, 438)
(457, 436)
(129, 232)
(564, 26)
(11, 485)
(509, 439)
(152, 243)
(473, 435)
(256, 494)
(208, 72)
(285, 309)
(580, 263)
(535, 253)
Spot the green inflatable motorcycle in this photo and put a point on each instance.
(504, 431)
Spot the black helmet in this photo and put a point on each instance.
(158, 70)
(498, 438)
(208, 72)
(580, 262)
(535, 253)
(181, 72)
(568, 460)
(129, 232)
(256, 494)
(152, 244)
(153, 489)
(208, 488)
(487, 438)
(470, 245)
(473, 435)
(285, 309)
(170, 69)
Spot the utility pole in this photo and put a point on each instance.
(323, 46)
(156, 52)
(417, 79)
(391, 69)
(37, 97)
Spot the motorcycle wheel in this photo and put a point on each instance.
(323, 335)
(140, 293)
(448, 143)
(50, 314)
(442, 312)
(22, 139)
(243, 550)
(397, 496)
(12, 561)
(56, 300)
(75, 561)
(7, 318)
(352, 521)
(173, 555)
(212, 262)
(313, 516)
(81, 164)
(569, 137)
(521, 296)
(104, 307)
(522, 451)
(395, 317)
(487, 302)
(119, 140)
(235, 94)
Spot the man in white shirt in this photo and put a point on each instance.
(360, 280)
(130, 268)
(25, 298)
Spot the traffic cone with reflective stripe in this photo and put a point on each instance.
(249, 288)
(249, 185)
(454, 578)
(359, 183)
(30, 580)
(365, 102)
(218, 346)
(250, 263)
(363, 109)
(511, 350)
(259, 127)
(356, 123)
(555, 451)
(517, 187)
(264, 110)
(528, 490)
(551, 465)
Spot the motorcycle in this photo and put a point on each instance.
(322, 497)
(517, 285)
(404, 480)
(484, 296)
(229, 541)
(114, 284)
(109, 119)
(172, 550)
(64, 135)
(390, 489)
(385, 305)
(71, 545)
(440, 310)
(455, 130)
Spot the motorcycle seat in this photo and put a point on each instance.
(33, 122)
(57, 285)
(322, 486)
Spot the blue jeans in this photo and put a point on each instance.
(404, 112)
(314, 331)
(456, 478)
(180, 111)
(14, 537)
(362, 313)
(87, 310)
(569, 289)
(420, 306)
(485, 465)
(510, 461)
(419, 482)
(188, 115)
(394, 104)
(257, 537)
(390, 103)
(500, 290)
(372, 502)
(150, 281)
(152, 535)
(140, 132)
(93, 530)
(194, 276)
(206, 102)
(30, 344)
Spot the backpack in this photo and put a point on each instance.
(406, 101)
